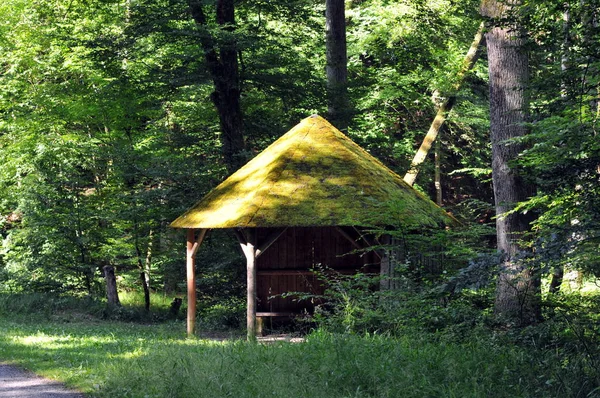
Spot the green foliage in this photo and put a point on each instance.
(564, 153)
(225, 315)
(45, 306)
(400, 54)
(353, 306)
(107, 132)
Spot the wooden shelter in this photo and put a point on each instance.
(303, 199)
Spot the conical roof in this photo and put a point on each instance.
(313, 176)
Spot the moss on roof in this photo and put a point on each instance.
(313, 176)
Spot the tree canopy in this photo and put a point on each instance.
(115, 116)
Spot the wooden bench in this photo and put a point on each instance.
(261, 316)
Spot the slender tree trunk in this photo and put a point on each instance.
(590, 21)
(564, 59)
(143, 277)
(338, 108)
(148, 262)
(518, 283)
(558, 271)
(438, 173)
(222, 64)
(443, 109)
(579, 279)
(140, 264)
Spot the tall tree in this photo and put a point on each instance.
(222, 62)
(337, 63)
(518, 283)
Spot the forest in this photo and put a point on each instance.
(116, 116)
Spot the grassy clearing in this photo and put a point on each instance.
(115, 359)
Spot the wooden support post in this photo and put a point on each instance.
(386, 265)
(192, 247)
(437, 173)
(248, 243)
(260, 325)
(191, 282)
(251, 280)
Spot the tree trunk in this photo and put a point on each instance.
(112, 295)
(338, 108)
(557, 279)
(222, 64)
(518, 283)
(438, 174)
(148, 262)
(143, 277)
(443, 109)
(146, 291)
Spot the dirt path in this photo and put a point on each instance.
(18, 383)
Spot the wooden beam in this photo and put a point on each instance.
(191, 282)
(240, 236)
(192, 246)
(292, 272)
(368, 242)
(349, 238)
(356, 244)
(272, 238)
(199, 241)
(276, 314)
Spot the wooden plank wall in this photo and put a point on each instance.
(285, 266)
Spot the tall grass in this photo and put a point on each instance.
(114, 359)
(136, 299)
(61, 338)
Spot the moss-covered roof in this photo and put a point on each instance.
(312, 176)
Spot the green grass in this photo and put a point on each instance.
(136, 299)
(114, 359)
(74, 341)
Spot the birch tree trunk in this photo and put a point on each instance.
(148, 262)
(438, 174)
(444, 108)
(518, 283)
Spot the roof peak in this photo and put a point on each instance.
(313, 175)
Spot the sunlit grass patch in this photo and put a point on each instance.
(136, 299)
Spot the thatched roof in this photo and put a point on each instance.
(313, 176)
